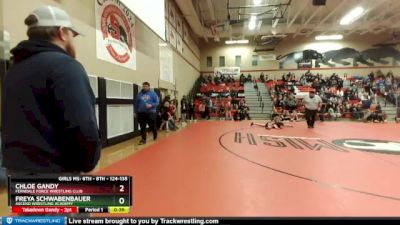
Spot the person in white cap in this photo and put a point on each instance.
(49, 122)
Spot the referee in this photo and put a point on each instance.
(313, 105)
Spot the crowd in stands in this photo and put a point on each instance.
(218, 79)
(221, 97)
(361, 100)
(218, 98)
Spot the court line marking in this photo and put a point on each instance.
(277, 136)
(334, 186)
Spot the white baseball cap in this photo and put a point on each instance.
(50, 16)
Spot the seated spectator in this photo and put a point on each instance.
(292, 77)
(366, 104)
(222, 78)
(333, 113)
(356, 112)
(209, 78)
(285, 116)
(228, 110)
(236, 115)
(294, 115)
(166, 118)
(217, 80)
(249, 78)
(244, 112)
(291, 102)
(379, 116)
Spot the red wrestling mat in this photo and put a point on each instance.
(232, 169)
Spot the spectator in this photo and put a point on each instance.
(262, 78)
(356, 112)
(202, 109)
(221, 112)
(228, 110)
(249, 78)
(184, 109)
(294, 115)
(379, 115)
(146, 104)
(209, 78)
(166, 117)
(191, 111)
(49, 123)
(172, 108)
(334, 113)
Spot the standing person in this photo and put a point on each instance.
(184, 108)
(323, 108)
(313, 105)
(191, 110)
(228, 109)
(146, 105)
(49, 121)
(209, 106)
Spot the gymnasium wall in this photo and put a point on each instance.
(186, 65)
(289, 45)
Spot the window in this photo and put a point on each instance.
(254, 61)
(238, 60)
(209, 61)
(222, 61)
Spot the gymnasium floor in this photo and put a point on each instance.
(223, 168)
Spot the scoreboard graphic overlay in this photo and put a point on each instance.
(70, 194)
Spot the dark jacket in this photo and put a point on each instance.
(49, 122)
(184, 106)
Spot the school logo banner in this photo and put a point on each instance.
(115, 33)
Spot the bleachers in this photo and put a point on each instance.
(224, 87)
(218, 101)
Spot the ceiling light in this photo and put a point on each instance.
(252, 23)
(257, 2)
(231, 42)
(163, 44)
(352, 16)
(242, 41)
(329, 37)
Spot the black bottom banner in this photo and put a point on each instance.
(60, 220)
(206, 221)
